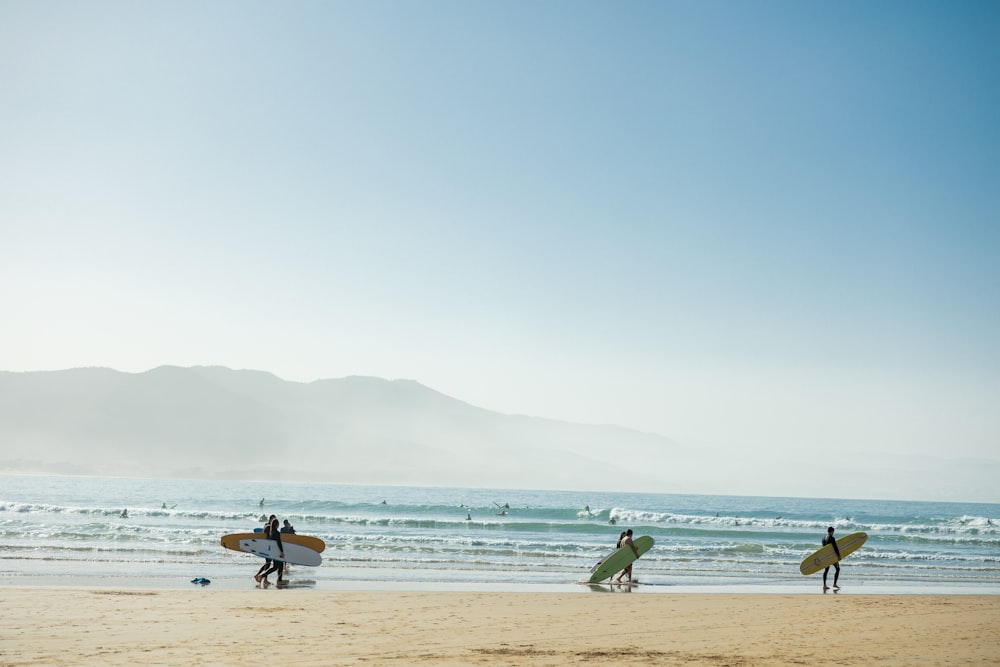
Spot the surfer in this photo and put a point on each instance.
(830, 539)
(267, 536)
(276, 565)
(287, 528)
(626, 538)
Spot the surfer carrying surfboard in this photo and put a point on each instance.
(627, 540)
(830, 539)
(272, 532)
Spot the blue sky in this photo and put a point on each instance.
(765, 226)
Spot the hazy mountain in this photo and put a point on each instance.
(216, 422)
(211, 422)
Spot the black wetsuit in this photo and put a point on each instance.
(830, 539)
(267, 561)
(276, 565)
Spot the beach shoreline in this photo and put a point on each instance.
(69, 531)
(300, 580)
(125, 626)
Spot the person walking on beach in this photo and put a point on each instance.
(626, 538)
(276, 565)
(267, 536)
(288, 529)
(830, 539)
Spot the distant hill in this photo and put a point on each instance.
(213, 422)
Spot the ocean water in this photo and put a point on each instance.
(57, 530)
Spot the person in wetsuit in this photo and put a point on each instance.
(276, 565)
(267, 536)
(830, 539)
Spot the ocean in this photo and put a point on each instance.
(117, 532)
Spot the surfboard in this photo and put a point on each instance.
(825, 557)
(620, 559)
(294, 553)
(611, 584)
(232, 541)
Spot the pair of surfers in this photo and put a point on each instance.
(273, 531)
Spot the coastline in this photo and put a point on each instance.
(301, 581)
(125, 626)
(69, 531)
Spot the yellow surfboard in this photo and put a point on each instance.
(826, 556)
(232, 541)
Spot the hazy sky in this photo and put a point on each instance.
(769, 226)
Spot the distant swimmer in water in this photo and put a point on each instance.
(468, 516)
(124, 514)
(261, 503)
(612, 521)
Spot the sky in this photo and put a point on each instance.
(765, 227)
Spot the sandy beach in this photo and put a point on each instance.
(77, 626)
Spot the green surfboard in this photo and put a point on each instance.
(620, 559)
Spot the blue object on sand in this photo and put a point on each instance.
(201, 580)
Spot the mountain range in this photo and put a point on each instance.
(217, 423)
(214, 422)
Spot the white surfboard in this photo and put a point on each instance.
(294, 553)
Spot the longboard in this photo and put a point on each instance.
(826, 556)
(620, 559)
(294, 553)
(610, 584)
(232, 541)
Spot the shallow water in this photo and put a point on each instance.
(70, 531)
